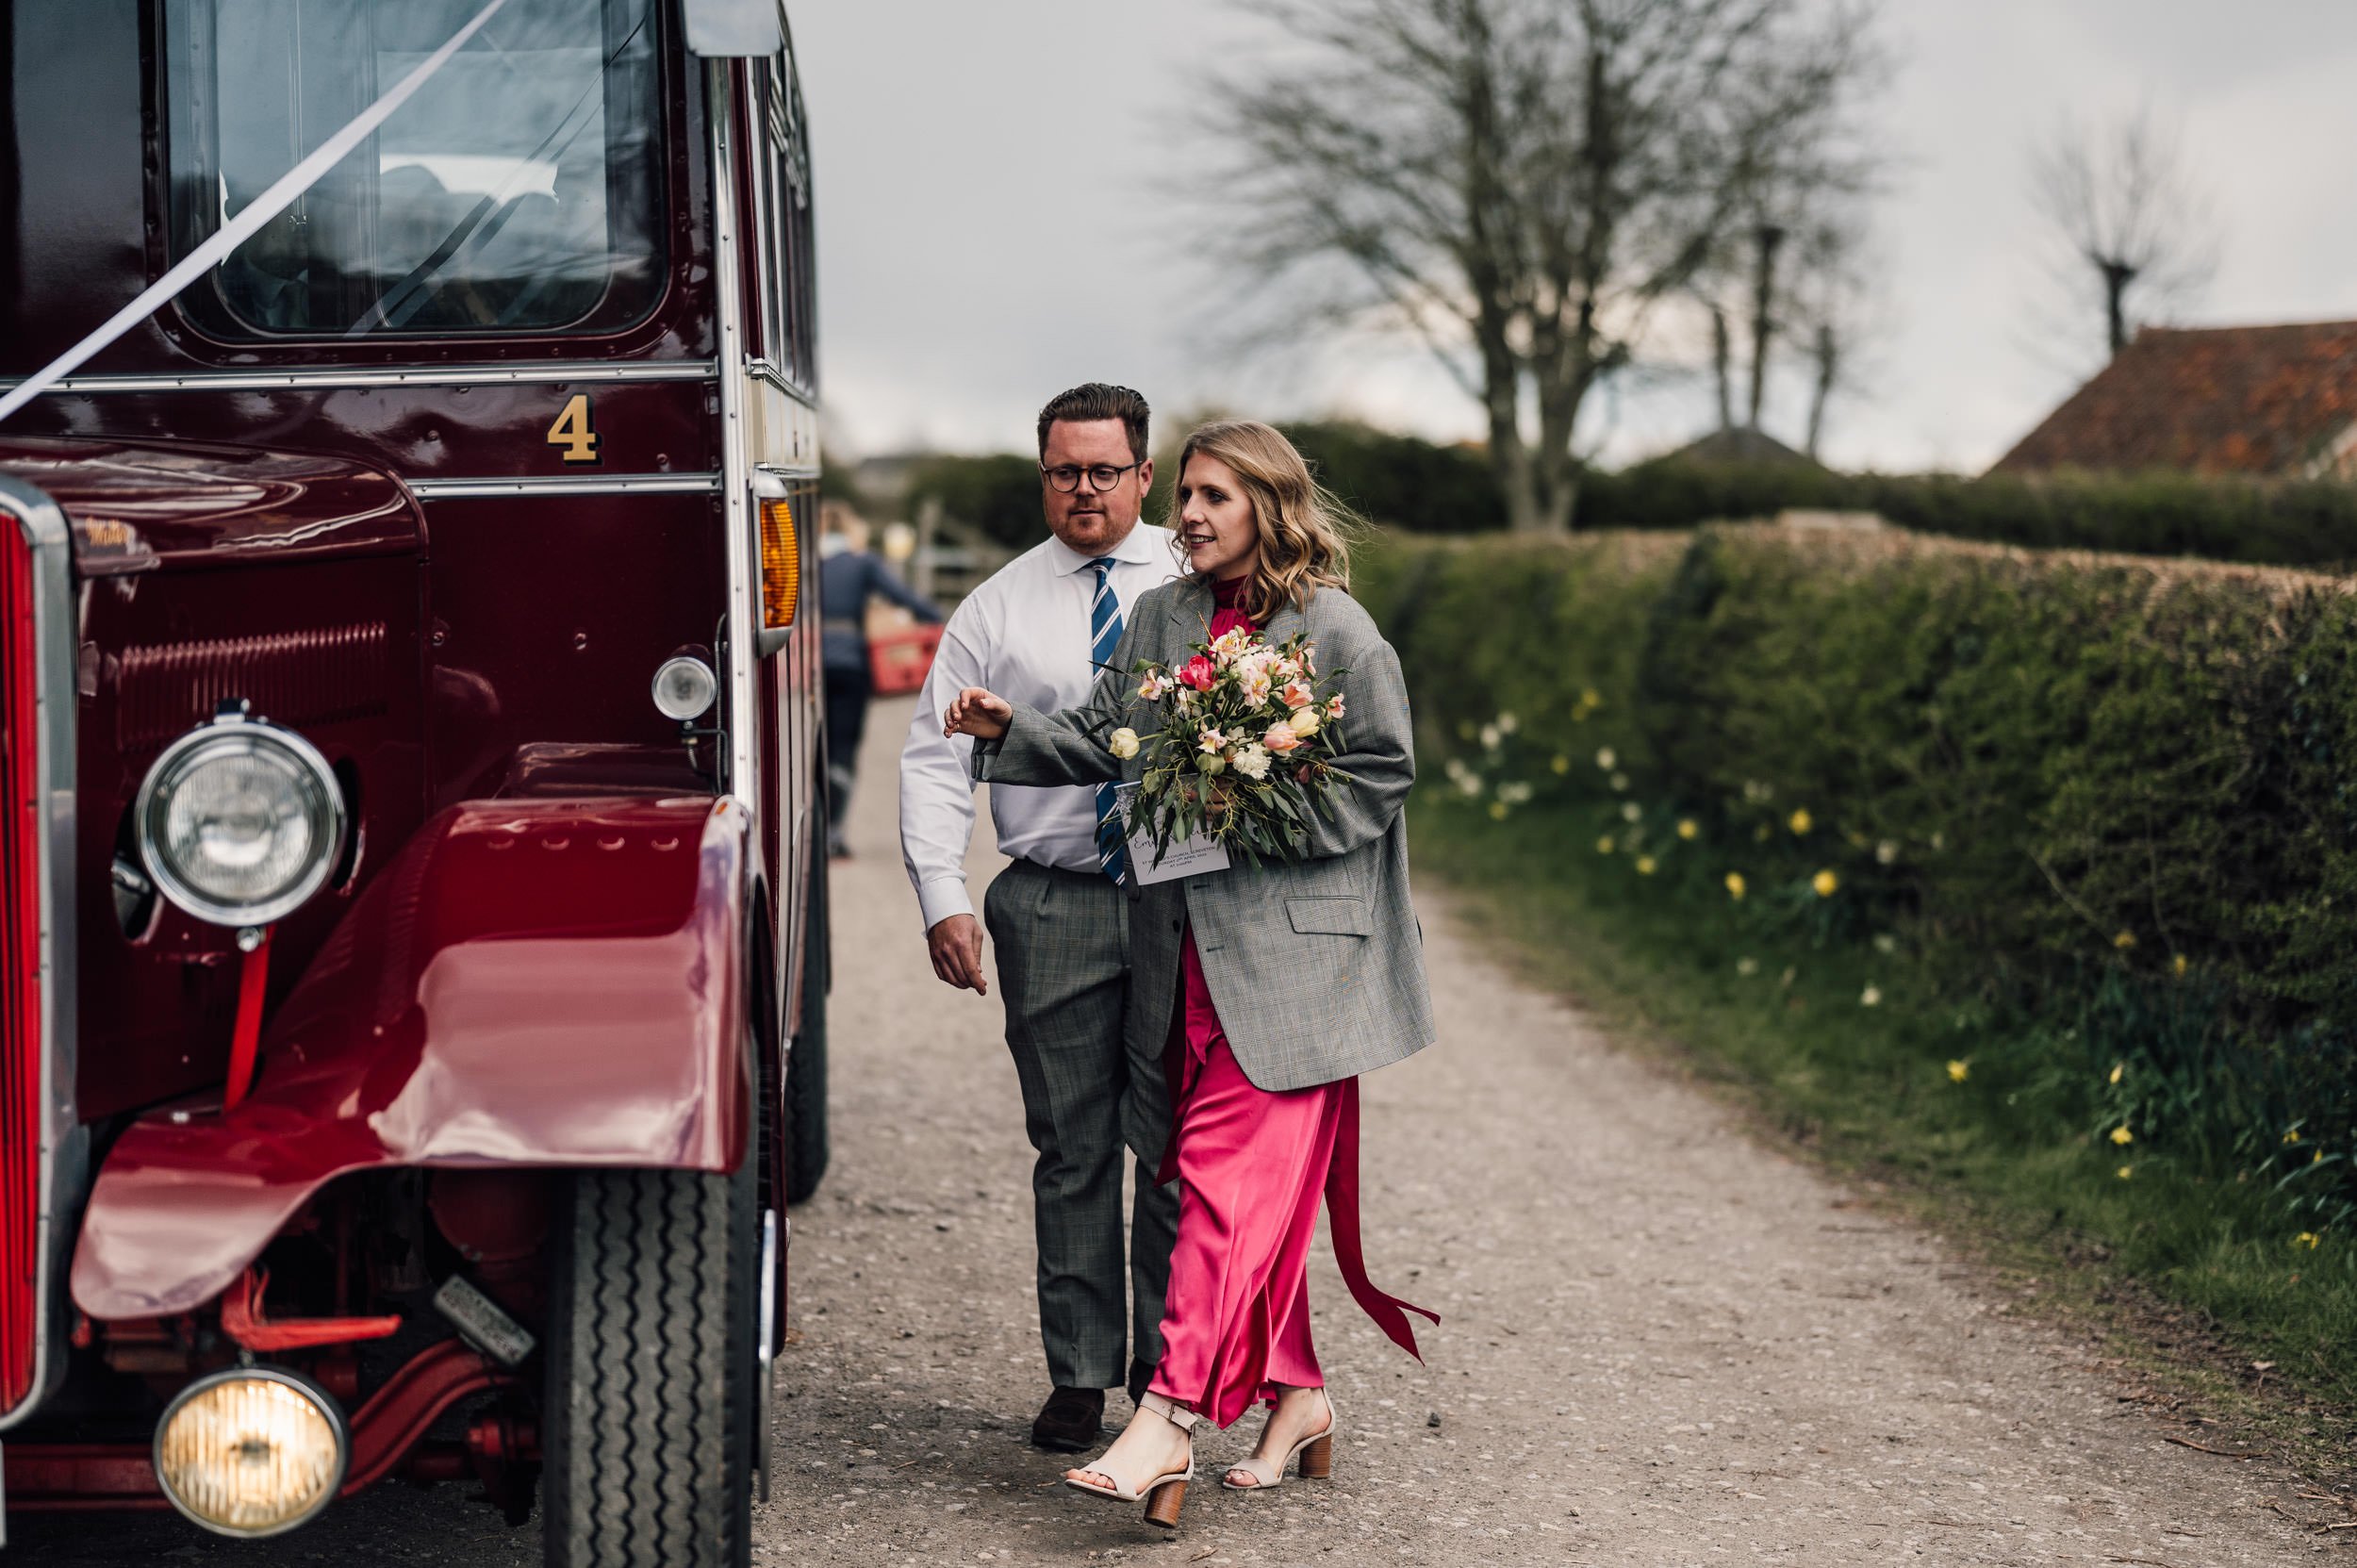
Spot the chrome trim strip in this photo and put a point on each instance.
(743, 600)
(493, 374)
(566, 483)
(65, 1144)
(765, 370)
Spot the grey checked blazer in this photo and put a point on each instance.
(1316, 967)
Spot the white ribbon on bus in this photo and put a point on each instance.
(238, 230)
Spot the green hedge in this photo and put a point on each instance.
(2104, 803)
(2305, 522)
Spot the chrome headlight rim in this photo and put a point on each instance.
(240, 726)
(317, 1398)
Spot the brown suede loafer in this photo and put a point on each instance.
(1071, 1421)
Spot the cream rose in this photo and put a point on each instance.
(1305, 722)
(1122, 743)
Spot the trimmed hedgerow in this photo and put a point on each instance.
(2283, 522)
(2102, 804)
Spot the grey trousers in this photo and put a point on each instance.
(1062, 941)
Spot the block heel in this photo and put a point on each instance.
(1317, 1459)
(1162, 1504)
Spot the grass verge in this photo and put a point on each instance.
(2198, 1287)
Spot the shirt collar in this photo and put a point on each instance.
(1139, 549)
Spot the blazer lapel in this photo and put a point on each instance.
(1190, 617)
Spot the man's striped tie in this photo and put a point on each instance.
(1113, 857)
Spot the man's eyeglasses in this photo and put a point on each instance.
(1101, 476)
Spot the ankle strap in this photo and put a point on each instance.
(1178, 1416)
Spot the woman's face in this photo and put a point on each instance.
(1217, 527)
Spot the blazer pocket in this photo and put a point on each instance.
(1329, 917)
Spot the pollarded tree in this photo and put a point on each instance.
(1524, 184)
(2120, 198)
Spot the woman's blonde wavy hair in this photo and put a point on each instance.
(1305, 532)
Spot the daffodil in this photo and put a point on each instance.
(2177, 964)
(1561, 764)
(1959, 1071)
(2291, 1134)
(1736, 885)
(2123, 1173)
(1824, 882)
(2121, 1136)
(2307, 1238)
(2119, 1070)
(1870, 997)
(1645, 866)
(2124, 941)
(1497, 811)
(1801, 821)
(1605, 845)
(1688, 828)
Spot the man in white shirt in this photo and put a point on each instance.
(1059, 916)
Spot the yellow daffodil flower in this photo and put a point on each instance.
(2121, 1136)
(1605, 845)
(1736, 885)
(2123, 1172)
(2291, 1134)
(1688, 828)
(2307, 1238)
(1959, 1071)
(1645, 866)
(2124, 941)
(1801, 821)
(2178, 963)
(1824, 882)
(2119, 1070)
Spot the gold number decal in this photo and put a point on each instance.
(573, 432)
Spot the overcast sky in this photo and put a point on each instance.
(995, 222)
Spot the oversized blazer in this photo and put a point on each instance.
(1316, 967)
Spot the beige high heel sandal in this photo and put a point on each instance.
(1317, 1453)
(1161, 1496)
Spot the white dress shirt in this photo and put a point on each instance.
(1024, 633)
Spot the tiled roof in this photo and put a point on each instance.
(2261, 399)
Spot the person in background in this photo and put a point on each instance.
(1059, 915)
(849, 578)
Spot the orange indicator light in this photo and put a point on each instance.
(781, 565)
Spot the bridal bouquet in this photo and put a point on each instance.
(1243, 751)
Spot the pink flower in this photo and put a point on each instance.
(1151, 689)
(1280, 738)
(1296, 694)
(1334, 709)
(1210, 740)
(1199, 673)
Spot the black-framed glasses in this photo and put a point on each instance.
(1101, 476)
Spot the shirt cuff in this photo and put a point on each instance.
(942, 898)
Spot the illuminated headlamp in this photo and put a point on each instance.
(252, 1451)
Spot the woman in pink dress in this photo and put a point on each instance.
(1263, 991)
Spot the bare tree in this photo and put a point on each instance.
(2119, 195)
(1524, 183)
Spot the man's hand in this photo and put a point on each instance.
(956, 945)
(978, 713)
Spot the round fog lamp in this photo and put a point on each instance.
(250, 1451)
(240, 821)
(685, 687)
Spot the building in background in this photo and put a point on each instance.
(2268, 402)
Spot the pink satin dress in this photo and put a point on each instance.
(1252, 1165)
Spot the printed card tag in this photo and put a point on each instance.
(1186, 857)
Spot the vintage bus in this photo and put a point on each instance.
(412, 888)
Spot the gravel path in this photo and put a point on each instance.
(1661, 1343)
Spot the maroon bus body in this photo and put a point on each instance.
(558, 918)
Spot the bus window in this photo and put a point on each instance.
(519, 190)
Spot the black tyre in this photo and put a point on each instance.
(649, 1420)
(806, 1062)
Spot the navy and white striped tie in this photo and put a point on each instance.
(1112, 858)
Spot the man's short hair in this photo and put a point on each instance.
(1098, 400)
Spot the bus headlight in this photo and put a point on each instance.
(250, 1451)
(685, 687)
(240, 821)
